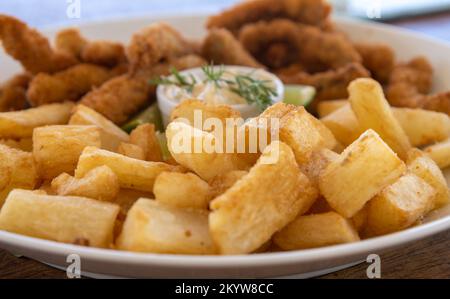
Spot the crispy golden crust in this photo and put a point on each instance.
(308, 45)
(221, 47)
(121, 97)
(311, 12)
(13, 93)
(71, 41)
(330, 85)
(379, 59)
(32, 49)
(155, 44)
(104, 53)
(410, 84)
(67, 85)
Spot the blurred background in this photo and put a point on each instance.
(406, 13)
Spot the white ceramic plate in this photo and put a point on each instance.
(306, 263)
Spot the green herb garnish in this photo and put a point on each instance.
(254, 91)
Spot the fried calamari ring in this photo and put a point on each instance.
(410, 84)
(310, 12)
(13, 93)
(308, 45)
(221, 47)
(155, 44)
(121, 97)
(379, 59)
(31, 48)
(68, 85)
(331, 84)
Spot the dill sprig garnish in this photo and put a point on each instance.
(180, 80)
(254, 91)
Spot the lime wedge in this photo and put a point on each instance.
(299, 95)
(150, 115)
(163, 144)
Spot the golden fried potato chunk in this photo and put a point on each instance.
(112, 135)
(145, 137)
(304, 134)
(373, 112)
(318, 162)
(423, 127)
(261, 203)
(74, 220)
(23, 144)
(360, 219)
(158, 228)
(132, 173)
(399, 206)
(223, 182)
(199, 151)
(325, 108)
(426, 169)
(100, 183)
(131, 150)
(440, 153)
(17, 170)
(318, 230)
(182, 190)
(361, 171)
(344, 125)
(20, 124)
(56, 149)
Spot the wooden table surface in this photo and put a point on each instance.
(428, 258)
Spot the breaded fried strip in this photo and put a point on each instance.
(31, 48)
(315, 49)
(379, 59)
(68, 85)
(221, 47)
(121, 97)
(410, 84)
(104, 53)
(13, 93)
(330, 85)
(155, 44)
(311, 12)
(71, 41)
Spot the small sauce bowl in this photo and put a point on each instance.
(167, 104)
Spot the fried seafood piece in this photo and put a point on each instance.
(410, 84)
(221, 47)
(308, 45)
(331, 84)
(123, 96)
(68, 85)
(378, 58)
(310, 12)
(155, 44)
(106, 53)
(13, 93)
(71, 41)
(31, 48)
